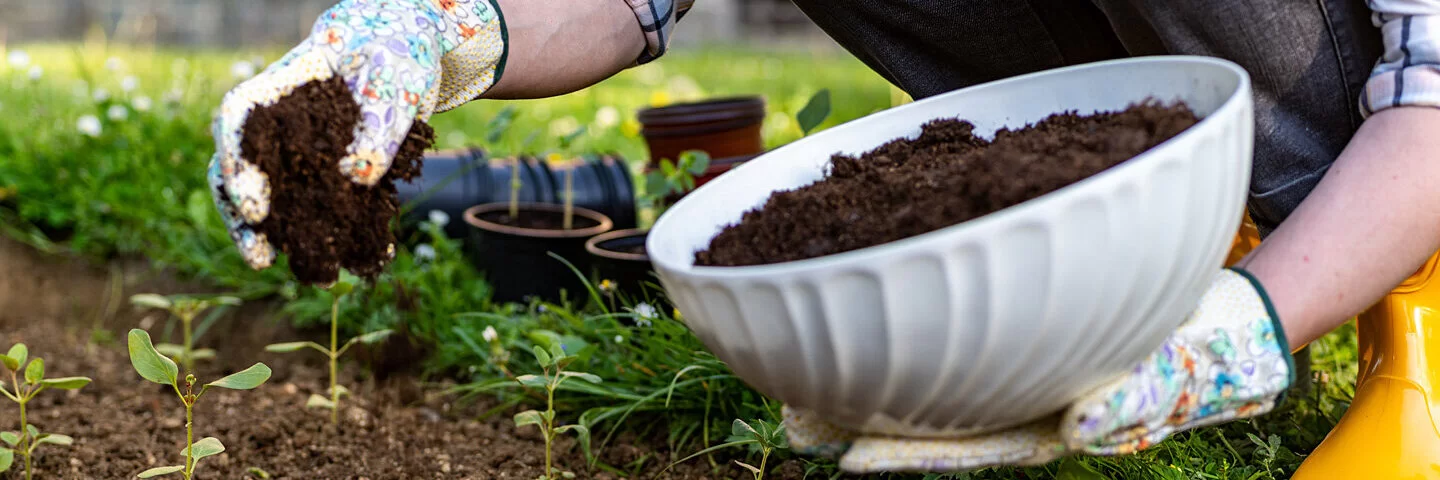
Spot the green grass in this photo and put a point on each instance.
(138, 189)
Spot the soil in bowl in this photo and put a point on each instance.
(319, 218)
(946, 176)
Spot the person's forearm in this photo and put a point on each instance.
(557, 47)
(1371, 222)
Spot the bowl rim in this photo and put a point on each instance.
(690, 270)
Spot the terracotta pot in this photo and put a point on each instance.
(516, 260)
(728, 127)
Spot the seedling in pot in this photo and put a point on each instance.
(673, 178)
(155, 367)
(337, 291)
(552, 364)
(760, 436)
(186, 308)
(21, 390)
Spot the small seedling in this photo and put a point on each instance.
(155, 367)
(186, 308)
(21, 391)
(565, 142)
(552, 364)
(760, 436)
(337, 291)
(674, 178)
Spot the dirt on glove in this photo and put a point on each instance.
(944, 177)
(318, 217)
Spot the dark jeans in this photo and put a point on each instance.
(1307, 59)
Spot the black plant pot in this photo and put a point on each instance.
(516, 260)
(452, 181)
(619, 257)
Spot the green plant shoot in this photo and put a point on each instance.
(674, 178)
(515, 185)
(552, 364)
(760, 436)
(815, 111)
(157, 368)
(185, 308)
(23, 388)
(337, 291)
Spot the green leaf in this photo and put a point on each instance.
(151, 300)
(541, 356)
(342, 288)
(582, 433)
(656, 185)
(318, 401)
(293, 346)
(10, 363)
(741, 429)
(158, 471)
(148, 362)
(56, 439)
(697, 160)
(814, 112)
(205, 447)
(589, 377)
(531, 380)
(7, 457)
(202, 354)
(34, 432)
(170, 350)
(1073, 469)
(245, 379)
(18, 353)
(11, 438)
(667, 167)
(343, 392)
(747, 466)
(226, 300)
(373, 337)
(36, 371)
(528, 417)
(66, 383)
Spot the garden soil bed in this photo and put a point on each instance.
(945, 176)
(391, 429)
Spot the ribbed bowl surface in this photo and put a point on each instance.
(996, 321)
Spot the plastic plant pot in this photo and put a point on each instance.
(516, 259)
(454, 180)
(619, 256)
(726, 127)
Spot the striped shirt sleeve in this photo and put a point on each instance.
(657, 19)
(1408, 74)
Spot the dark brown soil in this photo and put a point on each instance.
(391, 429)
(538, 220)
(944, 177)
(319, 218)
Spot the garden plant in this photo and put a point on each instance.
(185, 308)
(155, 367)
(553, 374)
(24, 387)
(337, 291)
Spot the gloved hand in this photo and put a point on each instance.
(1228, 360)
(402, 59)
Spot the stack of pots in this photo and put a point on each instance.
(727, 129)
(603, 242)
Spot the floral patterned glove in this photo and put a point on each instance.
(402, 59)
(1228, 361)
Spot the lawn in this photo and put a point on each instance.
(103, 152)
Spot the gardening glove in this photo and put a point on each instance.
(402, 59)
(1229, 360)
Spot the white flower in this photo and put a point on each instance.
(619, 339)
(242, 70)
(35, 72)
(439, 218)
(564, 126)
(19, 59)
(490, 334)
(142, 103)
(607, 117)
(424, 252)
(101, 95)
(88, 125)
(645, 312)
(114, 64)
(129, 83)
(117, 113)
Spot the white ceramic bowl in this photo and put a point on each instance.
(993, 322)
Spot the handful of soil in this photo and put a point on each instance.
(318, 217)
(944, 177)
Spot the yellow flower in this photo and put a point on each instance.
(630, 128)
(554, 158)
(606, 286)
(677, 314)
(659, 98)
